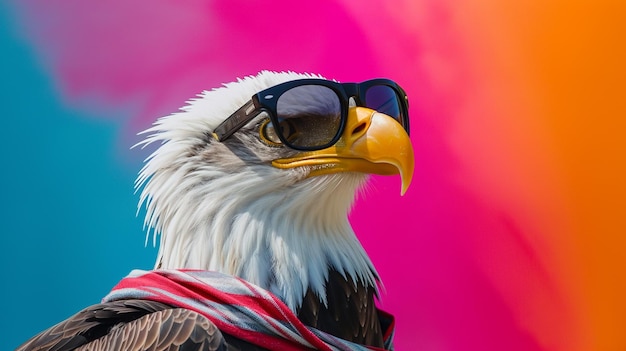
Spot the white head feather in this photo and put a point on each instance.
(223, 207)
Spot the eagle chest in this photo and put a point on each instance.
(351, 313)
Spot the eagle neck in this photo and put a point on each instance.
(284, 240)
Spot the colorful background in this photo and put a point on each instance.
(511, 236)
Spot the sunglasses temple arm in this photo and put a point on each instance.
(235, 121)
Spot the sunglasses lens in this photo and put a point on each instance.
(309, 116)
(384, 99)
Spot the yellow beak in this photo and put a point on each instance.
(372, 142)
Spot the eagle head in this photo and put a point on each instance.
(249, 205)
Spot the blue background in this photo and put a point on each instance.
(69, 229)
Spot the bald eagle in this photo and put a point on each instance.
(258, 189)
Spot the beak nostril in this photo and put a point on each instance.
(359, 128)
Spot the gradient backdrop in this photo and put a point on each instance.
(511, 236)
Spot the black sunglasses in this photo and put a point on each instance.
(310, 114)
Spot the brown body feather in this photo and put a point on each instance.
(351, 313)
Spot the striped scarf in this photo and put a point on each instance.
(236, 307)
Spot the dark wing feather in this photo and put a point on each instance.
(130, 325)
(171, 329)
(351, 313)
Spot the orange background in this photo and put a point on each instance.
(564, 126)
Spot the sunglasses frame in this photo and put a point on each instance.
(266, 101)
